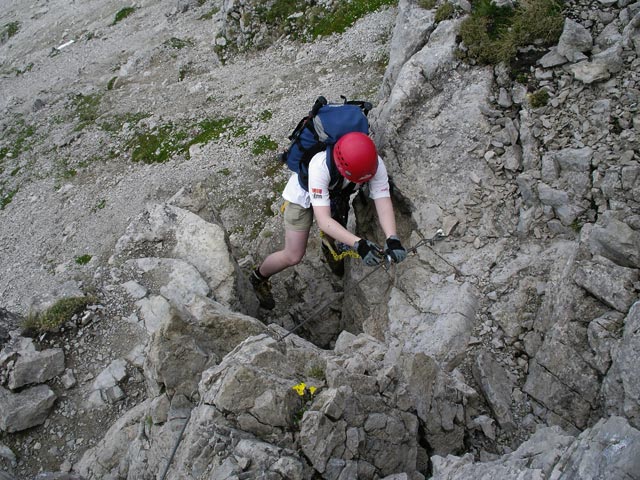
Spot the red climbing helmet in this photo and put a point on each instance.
(356, 157)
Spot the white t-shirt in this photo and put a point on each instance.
(319, 179)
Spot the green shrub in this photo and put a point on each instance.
(83, 259)
(9, 30)
(493, 34)
(209, 15)
(111, 83)
(427, 4)
(444, 12)
(6, 199)
(177, 43)
(539, 99)
(122, 14)
(58, 314)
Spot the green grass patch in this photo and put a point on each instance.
(493, 34)
(427, 4)
(345, 15)
(58, 314)
(539, 99)
(99, 206)
(210, 14)
(307, 22)
(177, 43)
(317, 372)
(156, 146)
(263, 144)
(122, 14)
(19, 137)
(116, 123)
(83, 259)
(163, 142)
(9, 30)
(111, 83)
(6, 199)
(211, 129)
(444, 12)
(85, 109)
(265, 115)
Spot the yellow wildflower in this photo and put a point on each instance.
(299, 388)
(312, 390)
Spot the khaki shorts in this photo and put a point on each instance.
(297, 218)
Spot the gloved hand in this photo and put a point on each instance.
(394, 249)
(370, 252)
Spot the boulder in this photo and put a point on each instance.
(191, 341)
(36, 367)
(574, 41)
(412, 29)
(25, 409)
(105, 388)
(616, 241)
(185, 236)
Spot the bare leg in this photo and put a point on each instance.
(295, 246)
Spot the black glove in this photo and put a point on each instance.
(394, 249)
(370, 253)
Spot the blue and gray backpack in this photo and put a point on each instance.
(320, 130)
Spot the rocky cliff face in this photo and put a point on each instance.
(506, 349)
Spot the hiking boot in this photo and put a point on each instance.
(262, 287)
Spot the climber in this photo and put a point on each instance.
(356, 160)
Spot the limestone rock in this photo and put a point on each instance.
(616, 241)
(621, 387)
(36, 367)
(561, 380)
(610, 449)
(188, 237)
(496, 386)
(551, 453)
(608, 282)
(574, 40)
(26, 409)
(105, 388)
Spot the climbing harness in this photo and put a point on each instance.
(385, 265)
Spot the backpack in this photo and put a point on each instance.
(320, 130)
